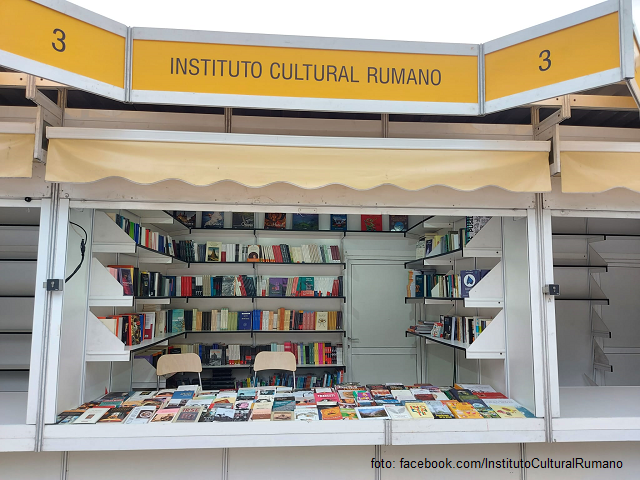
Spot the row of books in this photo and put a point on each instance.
(461, 329)
(278, 221)
(434, 285)
(144, 236)
(217, 354)
(191, 251)
(189, 404)
(436, 244)
(154, 284)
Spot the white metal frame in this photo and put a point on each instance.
(561, 88)
(63, 76)
(304, 103)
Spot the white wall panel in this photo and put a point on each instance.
(31, 466)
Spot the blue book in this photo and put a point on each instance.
(244, 320)
(339, 222)
(182, 394)
(469, 279)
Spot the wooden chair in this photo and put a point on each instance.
(275, 361)
(179, 362)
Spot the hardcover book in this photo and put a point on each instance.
(212, 219)
(305, 221)
(243, 220)
(398, 223)
(186, 218)
(338, 222)
(275, 221)
(371, 223)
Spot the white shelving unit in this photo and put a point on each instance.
(104, 290)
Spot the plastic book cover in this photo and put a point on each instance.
(398, 223)
(338, 222)
(348, 414)
(142, 414)
(462, 410)
(398, 412)
(188, 219)
(329, 412)
(243, 220)
(275, 221)
(281, 416)
(116, 415)
(212, 219)
(371, 223)
(305, 221)
(306, 413)
(371, 413)
(418, 410)
(439, 409)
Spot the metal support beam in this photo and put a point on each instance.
(548, 129)
(591, 102)
(228, 117)
(48, 114)
(19, 80)
(385, 125)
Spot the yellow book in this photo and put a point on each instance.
(462, 409)
(505, 411)
(418, 410)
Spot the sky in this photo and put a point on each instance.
(451, 21)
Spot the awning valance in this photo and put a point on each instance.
(80, 155)
(16, 149)
(592, 167)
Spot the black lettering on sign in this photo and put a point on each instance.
(60, 39)
(546, 58)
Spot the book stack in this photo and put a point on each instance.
(394, 401)
(300, 286)
(283, 319)
(287, 254)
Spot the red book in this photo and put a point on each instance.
(146, 238)
(223, 256)
(371, 223)
(277, 253)
(243, 291)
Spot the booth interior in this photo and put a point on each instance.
(405, 298)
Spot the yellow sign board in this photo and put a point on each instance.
(31, 31)
(269, 71)
(578, 51)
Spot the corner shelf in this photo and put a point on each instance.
(490, 344)
(104, 290)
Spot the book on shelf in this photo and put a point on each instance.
(371, 223)
(275, 221)
(212, 220)
(188, 219)
(305, 221)
(194, 252)
(338, 222)
(213, 251)
(473, 225)
(398, 223)
(243, 220)
(434, 244)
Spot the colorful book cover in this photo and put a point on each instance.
(188, 414)
(422, 394)
(439, 409)
(371, 413)
(281, 416)
(418, 410)
(462, 410)
(207, 415)
(188, 219)
(284, 403)
(469, 279)
(371, 223)
(212, 219)
(381, 394)
(277, 287)
(305, 398)
(247, 393)
(275, 221)
(398, 412)
(253, 253)
(261, 412)
(183, 394)
(326, 398)
(165, 416)
(483, 409)
(463, 395)
(305, 221)
(348, 414)
(224, 415)
(508, 408)
(243, 220)
(339, 222)
(362, 397)
(116, 415)
(241, 415)
(213, 251)
(398, 223)
(329, 412)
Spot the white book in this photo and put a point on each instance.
(92, 415)
(141, 415)
(308, 414)
(403, 395)
(397, 412)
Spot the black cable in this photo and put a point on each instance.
(83, 245)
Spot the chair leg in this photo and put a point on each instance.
(200, 380)
(157, 382)
(294, 382)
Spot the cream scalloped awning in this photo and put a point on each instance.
(592, 167)
(16, 149)
(80, 155)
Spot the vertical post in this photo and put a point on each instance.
(385, 125)
(228, 116)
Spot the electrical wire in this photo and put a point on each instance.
(83, 246)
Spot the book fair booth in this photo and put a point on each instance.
(445, 237)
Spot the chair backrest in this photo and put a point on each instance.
(275, 361)
(179, 362)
